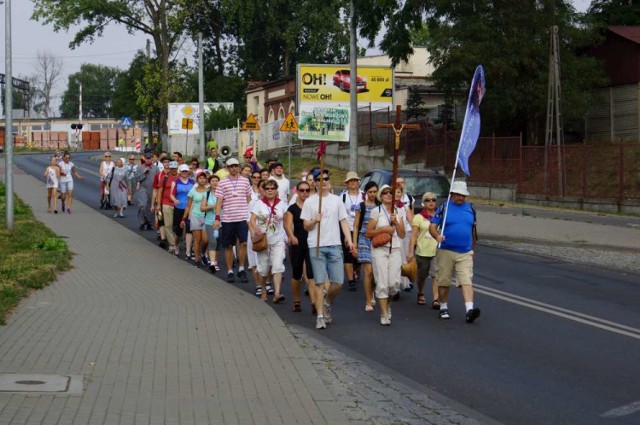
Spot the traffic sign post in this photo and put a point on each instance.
(290, 125)
(251, 124)
(187, 124)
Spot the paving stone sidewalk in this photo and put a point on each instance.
(154, 340)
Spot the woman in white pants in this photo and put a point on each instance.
(386, 259)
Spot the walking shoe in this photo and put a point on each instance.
(192, 257)
(258, 291)
(409, 288)
(115, 215)
(327, 314)
(270, 290)
(230, 277)
(121, 215)
(163, 244)
(444, 314)
(321, 323)
(68, 210)
(352, 286)
(473, 314)
(389, 311)
(384, 320)
(243, 276)
(176, 252)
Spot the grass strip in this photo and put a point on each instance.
(30, 257)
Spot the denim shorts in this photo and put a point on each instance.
(64, 187)
(329, 262)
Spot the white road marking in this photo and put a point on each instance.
(560, 312)
(625, 410)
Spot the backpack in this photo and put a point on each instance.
(441, 211)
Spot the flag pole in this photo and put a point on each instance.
(321, 150)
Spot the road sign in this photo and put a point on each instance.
(289, 124)
(125, 122)
(187, 124)
(251, 123)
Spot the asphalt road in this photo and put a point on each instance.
(556, 343)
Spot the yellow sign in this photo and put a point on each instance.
(187, 124)
(289, 123)
(251, 123)
(333, 83)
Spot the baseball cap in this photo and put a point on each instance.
(173, 164)
(232, 161)
(183, 167)
(147, 154)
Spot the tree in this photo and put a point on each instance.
(511, 40)
(124, 97)
(48, 70)
(603, 13)
(414, 104)
(220, 118)
(163, 20)
(98, 88)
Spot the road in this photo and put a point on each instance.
(557, 343)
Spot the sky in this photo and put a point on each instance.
(115, 48)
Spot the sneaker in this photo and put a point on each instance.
(352, 286)
(121, 215)
(444, 314)
(68, 210)
(270, 290)
(242, 274)
(409, 288)
(368, 308)
(327, 314)
(389, 311)
(115, 215)
(384, 320)
(321, 323)
(258, 291)
(212, 267)
(230, 277)
(176, 252)
(473, 314)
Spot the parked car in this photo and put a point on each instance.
(417, 183)
(342, 79)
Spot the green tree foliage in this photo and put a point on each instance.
(511, 40)
(98, 89)
(220, 118)
(603, 13)
(415, 110)
(124, 99)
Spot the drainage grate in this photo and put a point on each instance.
(40, 383)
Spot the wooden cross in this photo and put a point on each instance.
(397, 128)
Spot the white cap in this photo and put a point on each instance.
(459, 187)
(232, 161)
(173, 164)
(183, 167)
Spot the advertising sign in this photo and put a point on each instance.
(329, 123)
(178, 111)
(320, 84)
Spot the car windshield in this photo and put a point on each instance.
(420, 185)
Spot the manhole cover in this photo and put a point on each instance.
(27, 383)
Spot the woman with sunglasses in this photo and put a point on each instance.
(267, 217)
(179, 195)
(363, 213)
(387, 258)
(197, 217)
(298, 246)
(423, 246)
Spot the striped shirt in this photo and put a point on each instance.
(233, 194)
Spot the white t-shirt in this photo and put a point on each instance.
(65, 171)
(332, 212)
(350, 204)
(382, 220)
(106, 169)
(275, 232)
(283, 187)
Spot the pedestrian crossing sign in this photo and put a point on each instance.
(289, 124)
(125, 122)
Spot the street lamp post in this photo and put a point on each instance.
(8, 118)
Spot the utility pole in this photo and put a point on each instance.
(353, 89)
(554, 116)
(150, 126)
(202, 153)
(8, 119)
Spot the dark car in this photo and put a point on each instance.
(342, 79)
(417, 183)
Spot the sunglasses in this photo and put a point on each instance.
(304, 190)
(247, 157)
(386, 192)
(324, 178)
(132, 159)
(107, 156)
(255, 177)
(430, 200)
(269, 188)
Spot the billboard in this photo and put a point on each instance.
(322, 84)
(329, 123)
(178, 111)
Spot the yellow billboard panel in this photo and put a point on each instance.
(333, 83)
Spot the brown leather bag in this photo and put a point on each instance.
(380, 239)
(259, 243)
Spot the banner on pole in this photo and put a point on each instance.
(471, 125)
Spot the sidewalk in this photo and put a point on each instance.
(148, 348)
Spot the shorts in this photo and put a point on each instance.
(177, 218)
(427, 267)
(328, 263)
(300, 257)
(271, 258)
(65, 186)
(234, 231)
(196, 223)
(213, 242)
(450, 262)
(346, 254)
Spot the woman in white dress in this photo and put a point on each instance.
(118, 188)
(105, 173)
(52, 175)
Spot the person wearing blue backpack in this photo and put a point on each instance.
(457, 243)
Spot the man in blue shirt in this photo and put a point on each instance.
(457, 243)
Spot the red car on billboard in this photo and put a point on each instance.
(342, 79)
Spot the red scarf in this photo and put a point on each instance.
(426, 215)
(273, 207)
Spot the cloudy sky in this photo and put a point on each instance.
(116, 48)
